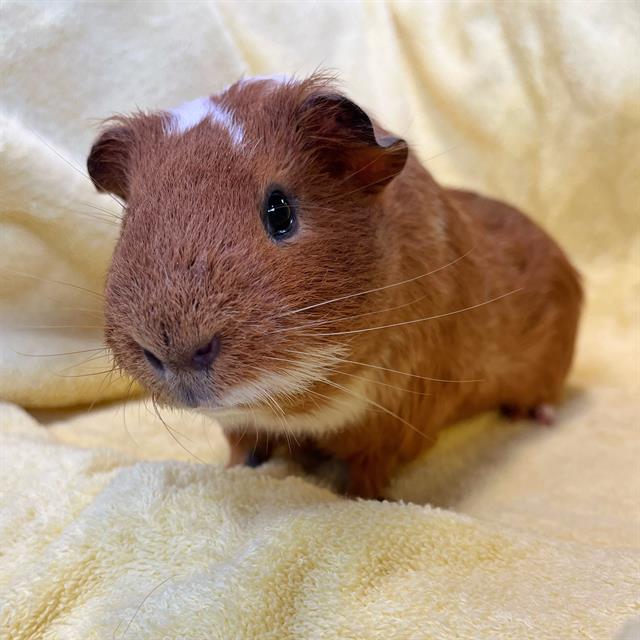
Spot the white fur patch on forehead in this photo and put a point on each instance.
(192, 113)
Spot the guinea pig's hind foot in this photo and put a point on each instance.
(544, 414)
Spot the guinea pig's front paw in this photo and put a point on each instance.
(367, 480)
(248, 450)
(256, 457)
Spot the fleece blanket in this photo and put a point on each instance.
(118, 523)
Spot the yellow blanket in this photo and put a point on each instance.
(111, 526)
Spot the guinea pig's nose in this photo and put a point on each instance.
(204, 355)
(153, 360)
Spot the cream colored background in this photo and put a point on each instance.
(537, 103)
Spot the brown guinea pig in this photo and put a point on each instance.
(289, 267)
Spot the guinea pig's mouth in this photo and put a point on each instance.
(189, 393)
(282, 385)
(241, 398)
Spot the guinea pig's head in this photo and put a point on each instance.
(251, 218)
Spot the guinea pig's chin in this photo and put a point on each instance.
(204, 398)
(207, 404)
(173, 390)
(183, 399)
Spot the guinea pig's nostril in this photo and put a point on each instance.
(154, 361)
(203, 356)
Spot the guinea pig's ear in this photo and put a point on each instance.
(108, 161)
(347, 144)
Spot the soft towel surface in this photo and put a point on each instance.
(109, 526)
(167, 550)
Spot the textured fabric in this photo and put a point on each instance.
(99, 547)
(539, 532)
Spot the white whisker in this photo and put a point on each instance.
(365, 379)
(402, 373)
(59, 355)
(318, 323)
(171, 433)
(379, 406)
(388, 286)
(416, 320)
(72, 165)
(19, 274)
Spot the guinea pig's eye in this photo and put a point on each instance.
(279, 216)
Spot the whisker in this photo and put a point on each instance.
(416, 320)
(402, 373)
(56, 355)
(109, 378)
(318, 323)
(379, 406)
(71, 164)
(384, 178)
(272, 399)
(388, 152)
(388, 286)
(378, 382)
(318, 380)
(42, 327)
(268, 434)
(180, 433)
(124, 414)
(385, 384)
(97, 356)
(112, 214)
(205, 433)
(255, 444)
(95, 312)
(365, 399)
(170, 431)
(328, 399)
(316, 207)
(84, 375)
(76, 365)
(49, 281)
(99, 218)
(366, 166)
(126, 629)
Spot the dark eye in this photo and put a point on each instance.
(279, 215)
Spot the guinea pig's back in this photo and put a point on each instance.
(542, 317)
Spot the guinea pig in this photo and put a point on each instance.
(289, 267)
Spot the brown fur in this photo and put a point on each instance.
(194, 261)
